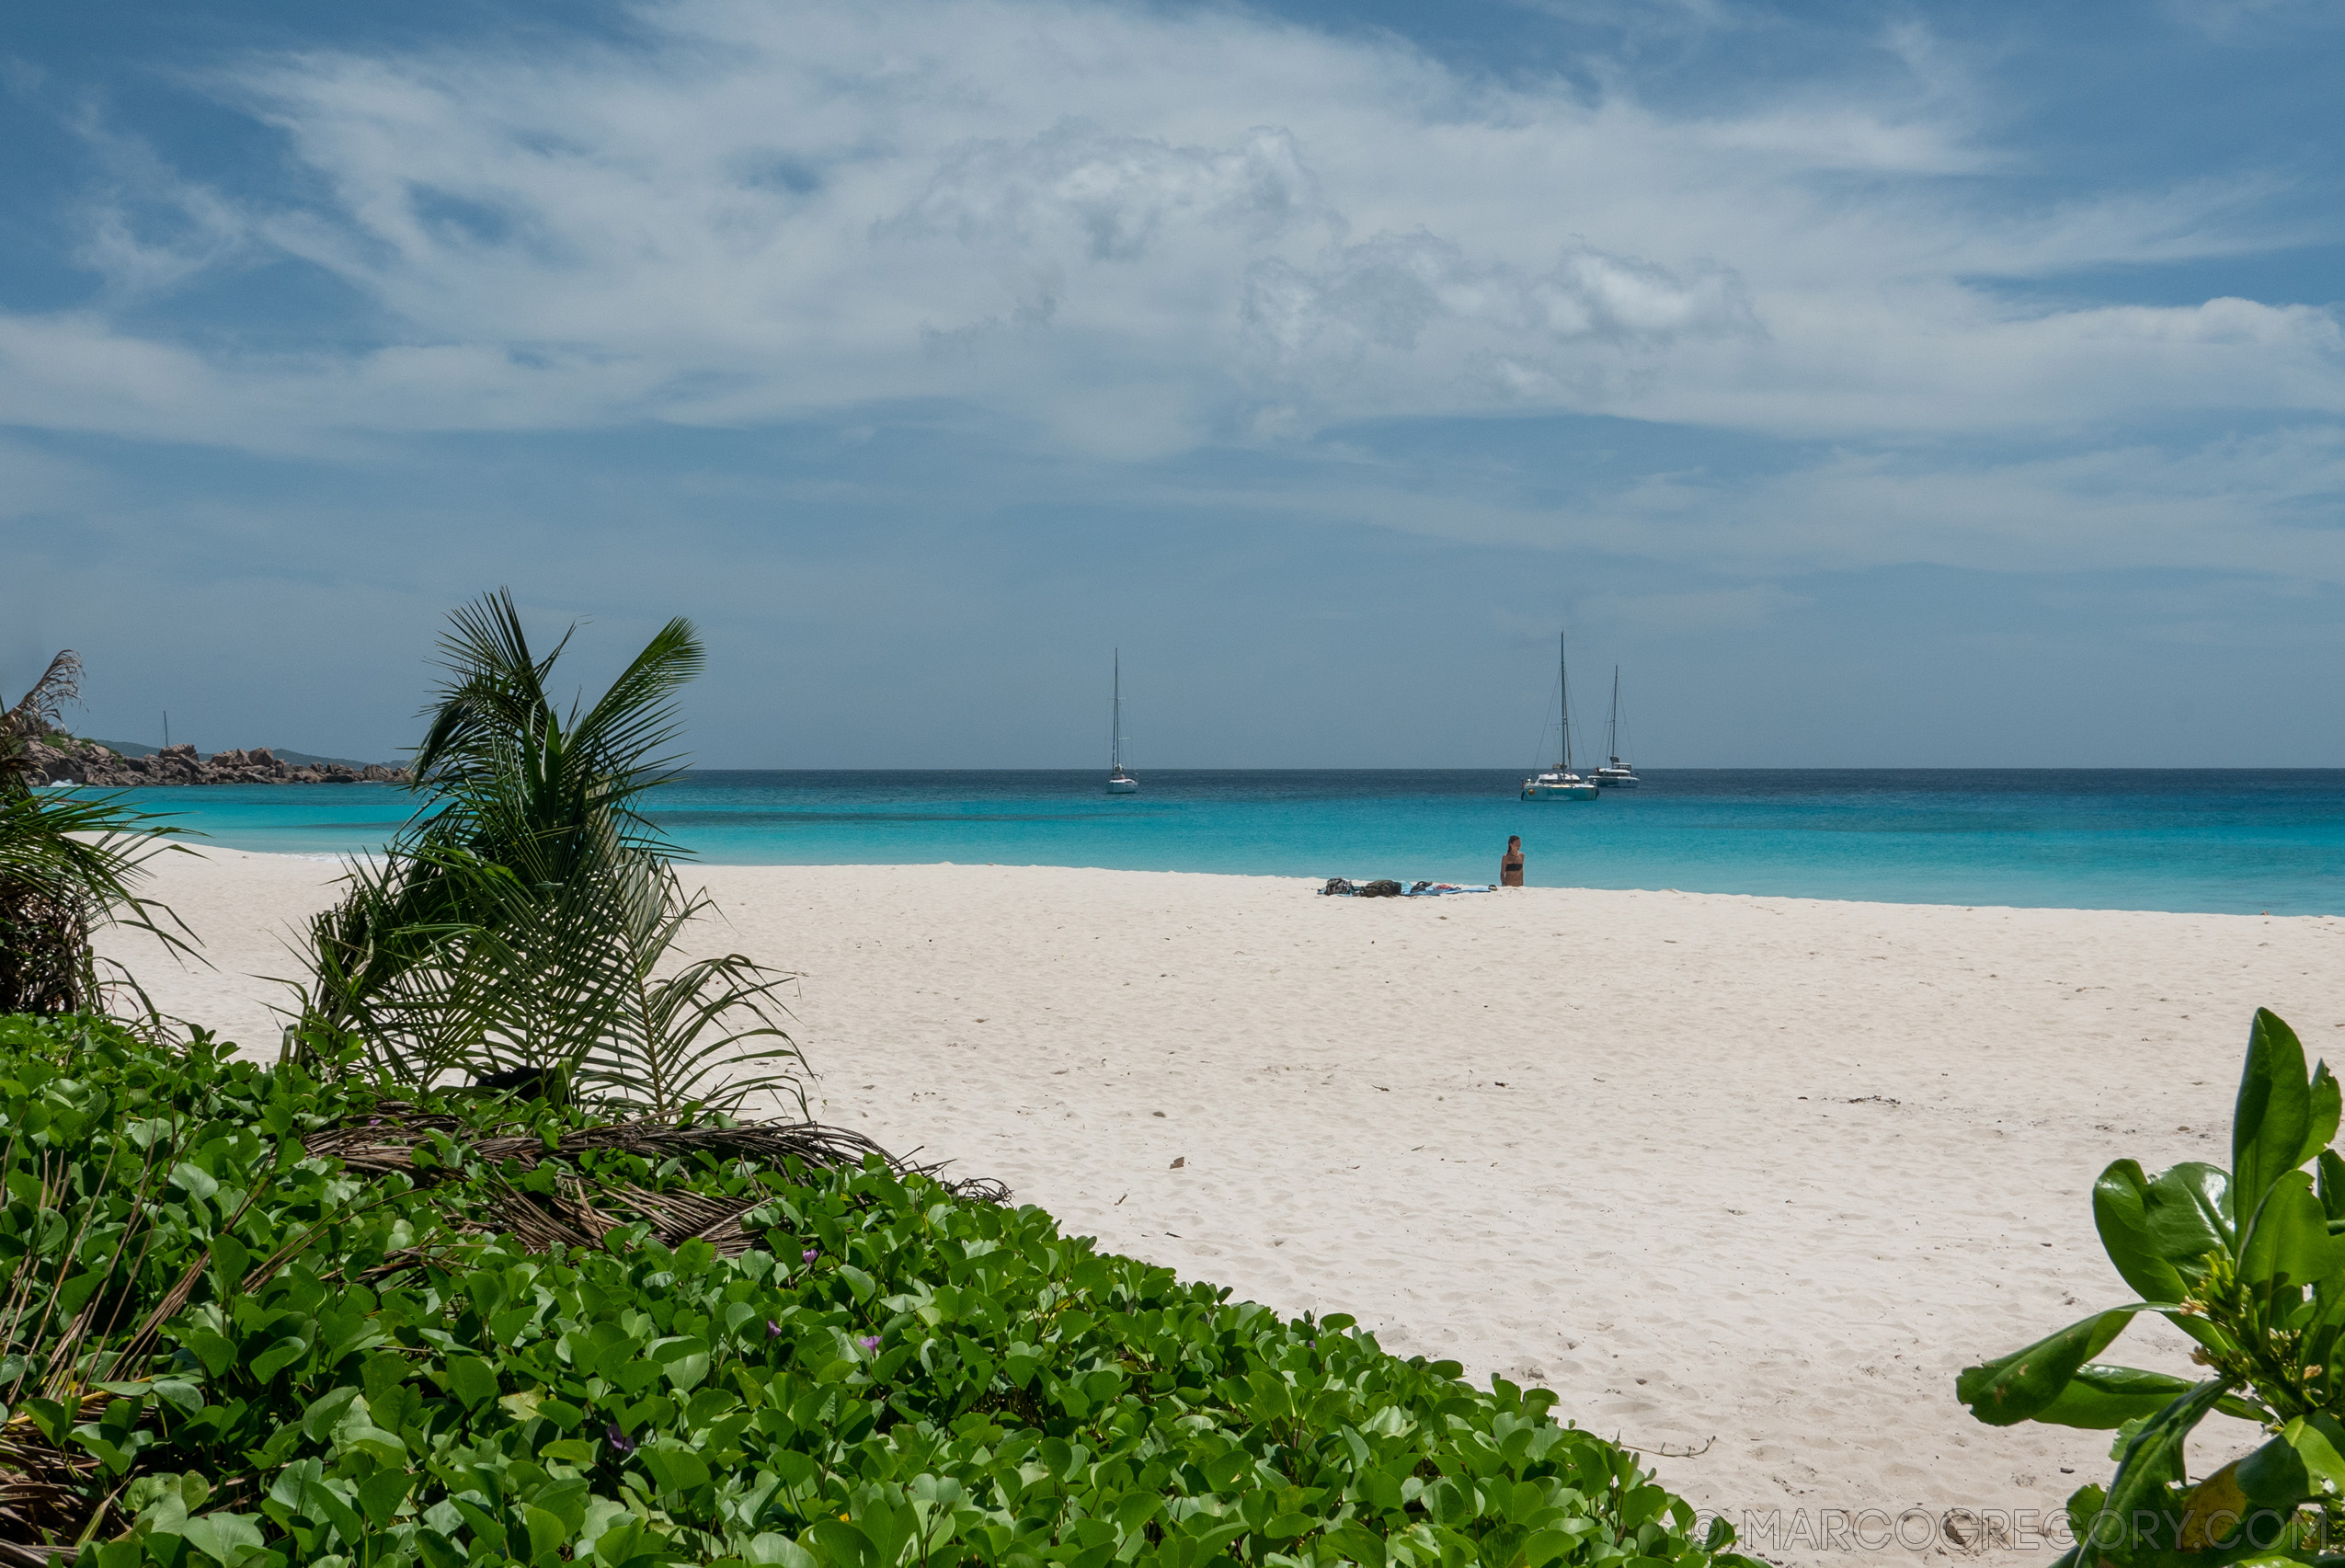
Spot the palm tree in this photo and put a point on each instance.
(67, 865)
(524, 925)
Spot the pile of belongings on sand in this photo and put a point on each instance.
(1341, 887)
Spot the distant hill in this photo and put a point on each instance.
(298, 758)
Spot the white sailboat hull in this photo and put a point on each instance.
(1569, 786)
(1126, 785)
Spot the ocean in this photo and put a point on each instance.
(2235, 841)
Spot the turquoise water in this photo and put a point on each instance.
(2235, 841)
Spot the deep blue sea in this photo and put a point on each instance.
(2234, 841)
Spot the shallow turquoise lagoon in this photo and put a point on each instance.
(2229, 841)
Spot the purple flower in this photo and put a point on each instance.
(871, 1342)
(772, 1329)
(808, 1255)
(620, 1444)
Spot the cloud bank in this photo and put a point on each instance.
(1126, 235)
(1136, 230)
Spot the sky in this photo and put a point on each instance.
(1958, 385)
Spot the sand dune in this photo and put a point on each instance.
(1759, 1173)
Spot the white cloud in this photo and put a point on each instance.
(147, 227)
(1937, 360)
(2254, 21)
(1134, 230)
(1417, 308)
(1111, 198)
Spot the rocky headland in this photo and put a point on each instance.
(86, 763)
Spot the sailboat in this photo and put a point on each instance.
(1118, 781)
(1620, 775)
(1560, 782)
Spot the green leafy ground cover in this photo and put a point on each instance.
(223, 1349)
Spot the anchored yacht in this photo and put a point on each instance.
(1118, 781)
(1560, 782)
(1620, 775)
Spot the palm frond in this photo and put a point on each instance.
(36, 714)
(496, 685)
(528, 917)
(41, 709)
(636, 717)
(512, 775)
(68, 867)
(684, 1038)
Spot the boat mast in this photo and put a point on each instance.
(1563, 704)
(1612, 730)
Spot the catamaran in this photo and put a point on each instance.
(1620, 775)
(1118, 781)
(1560, 782)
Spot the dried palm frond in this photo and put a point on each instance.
(50, 1355)
(44, 1490)
(43, 709)
(570, 1216)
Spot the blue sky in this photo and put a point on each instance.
(1960, 385)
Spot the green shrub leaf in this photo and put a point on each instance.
(2327, 1106)
(2152, 1461)
(471, 1379)
(2015, 1388)
(222, 1535)
(2189, 1209)
(2330, 1182)
(2100, 1398)
(2273, 1116)
(2289, 1242)
(2121, 1214)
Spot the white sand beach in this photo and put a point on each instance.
(1751, 1172)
